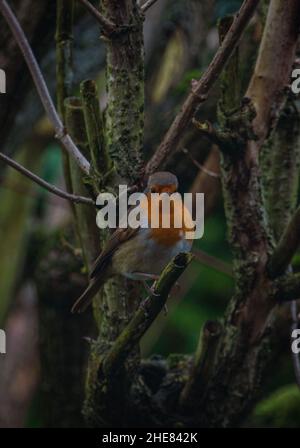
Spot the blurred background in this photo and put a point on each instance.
(41, 270)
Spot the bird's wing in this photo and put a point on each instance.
(119, 237)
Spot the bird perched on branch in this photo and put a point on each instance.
(142, 253)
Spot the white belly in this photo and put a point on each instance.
(145, 256)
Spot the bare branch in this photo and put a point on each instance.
(287, 246)
(108, 26)
(208, 185)
(202, 87)
(198, 165)
(147, 5)
(44, 184)
(212, 262)
(146, 314)
(41, 86)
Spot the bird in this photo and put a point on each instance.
(142, 253)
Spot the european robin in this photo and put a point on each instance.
(142, 253)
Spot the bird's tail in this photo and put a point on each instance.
(86, 297)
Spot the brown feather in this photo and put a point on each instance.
(118, 237)
(100, 271)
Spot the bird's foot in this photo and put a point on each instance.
(143, 306)
(166, 309)
(150, 289)
(176, 288)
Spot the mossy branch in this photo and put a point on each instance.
(145, 315)
(85, 217)
(108, 27)
(286, 248)
(64, 50)
(101, 163)
(124, 115)
(288, 287)
(200, 371)
(226, 140)
(64, 70)
(280, 164)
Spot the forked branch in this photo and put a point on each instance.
(41, 86)
(202, 87)
(107, 25)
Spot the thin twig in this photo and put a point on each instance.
(147, 5)
(286, 247)
(198, 165)
(212, 262)
(42, 87)
(202, 87)
(108, 26)
(38, 180)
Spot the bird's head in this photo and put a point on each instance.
(162, 182)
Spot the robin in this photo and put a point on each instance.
(142, 253)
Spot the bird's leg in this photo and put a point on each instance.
(150, 289)
(143, 306)
(143, 277)
(176, 287)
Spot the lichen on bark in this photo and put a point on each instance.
(125, 88)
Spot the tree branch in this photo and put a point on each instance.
(124, 115)
(201, 89)
(101, 163)
(204, 359)
(212, 262)
(245, 341)
(268, 85)
(226, 140)
(51, 188)
(107, 25)
(44, 184)
(208, 184)
(288, 288)
(147, 5)
(202, 168)
(145, 315)
(287, 246)
(42, 87)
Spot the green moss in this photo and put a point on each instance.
(280, 410)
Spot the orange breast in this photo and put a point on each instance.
(168, 236)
